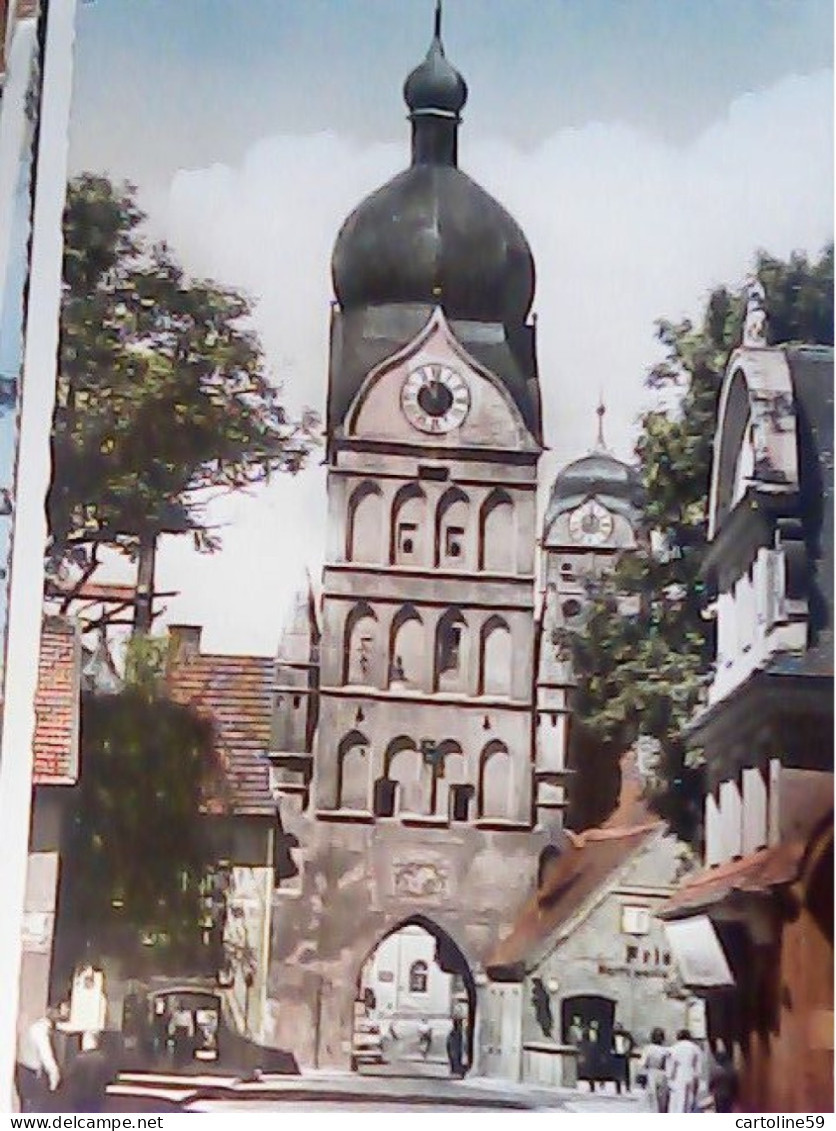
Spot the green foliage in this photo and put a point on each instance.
(643, 675)
(136, 849)
(163, 395)
(146, 660)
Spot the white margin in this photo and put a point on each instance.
(29, 533)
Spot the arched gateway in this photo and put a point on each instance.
(415, 804)
(410, 989)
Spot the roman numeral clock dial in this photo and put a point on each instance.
(435, 398)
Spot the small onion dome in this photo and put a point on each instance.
(614, 483)
(435, 85)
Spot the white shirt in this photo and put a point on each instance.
(36, 1049)
(684, 1063)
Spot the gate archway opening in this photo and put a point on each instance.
(412, 987)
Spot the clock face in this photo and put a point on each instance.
(435, 398)
(590, 524)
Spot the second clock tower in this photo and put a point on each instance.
(592, 517)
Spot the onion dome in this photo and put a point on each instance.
(600, 474)
(431, 235)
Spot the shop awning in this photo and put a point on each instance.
(699, 953)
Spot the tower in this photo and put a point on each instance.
(591, 519)
(419, 802)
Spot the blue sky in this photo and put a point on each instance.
(647, 147)
(220, 73)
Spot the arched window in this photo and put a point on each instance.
(365, 519)
(408, 534)
(497, 536)
(451, 530)
(451, 652)
(495, 781)
(453, 793)
(354, 772)
(418, 978)
(405, 767)
(406, 648)
(496, 659)
(361, 658)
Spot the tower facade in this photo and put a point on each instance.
(414, 802)
(591, 519)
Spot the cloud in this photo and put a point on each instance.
(624, 227)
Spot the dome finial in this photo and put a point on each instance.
(437, 33)
(600, 412)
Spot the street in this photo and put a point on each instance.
(332, 1091)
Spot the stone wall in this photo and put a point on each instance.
(359, 882)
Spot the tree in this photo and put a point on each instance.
(642, 676)
(137, 846)
(163, 395)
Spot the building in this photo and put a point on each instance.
(403, 756)
(56, 766)
(591, 519)
(587, 948)
(754, 930)
(410, 992)
(236, 694)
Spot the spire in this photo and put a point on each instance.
(437, 32)
(600, 412)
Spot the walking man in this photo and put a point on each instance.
(684, 1071)
(455, 1049)
(425, 1038)
(36, 1073)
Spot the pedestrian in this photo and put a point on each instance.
(621, 1049)
(684, 1072)
(591, 1055)
(425, 1037)
(37, 1074)
(575, 1034)
(455, 1049)
(159, 1030)
(181, 1033)
(722, 1078)
(652, 1074)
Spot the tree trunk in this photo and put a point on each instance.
(144, 601)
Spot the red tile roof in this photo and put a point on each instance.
(757, 873)
(57, 703)
(587, 861)
(235, 693)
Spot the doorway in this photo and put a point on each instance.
(414, 990)
(587, 1020)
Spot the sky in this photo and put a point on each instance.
(647, 148)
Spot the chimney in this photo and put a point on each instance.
(185, 641)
